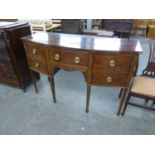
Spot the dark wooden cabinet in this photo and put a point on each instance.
(13, 64)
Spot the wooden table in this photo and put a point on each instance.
(109, 62)
(43, 27)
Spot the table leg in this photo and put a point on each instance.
(34, 81)
(125, 90)
(88, 97)
(51, 80)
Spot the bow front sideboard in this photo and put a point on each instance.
(109, 62)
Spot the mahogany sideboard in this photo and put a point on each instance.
(13, 63)
(109, 62)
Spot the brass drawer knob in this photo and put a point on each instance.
(77, 60)
(112, 63)
(109, 79)
(57, 56)
(37, 65)
(34, 51)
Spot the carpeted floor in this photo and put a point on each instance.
(31, 113)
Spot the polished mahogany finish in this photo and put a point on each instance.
(103, 61)
(85, 42)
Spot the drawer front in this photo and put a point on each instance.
(36, 51)
(69, 57)
(6, 68)
(119, 62)
(110, 78)
(38, 65)
(7, 73)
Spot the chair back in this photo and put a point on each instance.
(150, 68)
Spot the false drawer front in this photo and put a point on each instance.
(69, 57)
(38, 65)
(35, 51)
(110, 78)
(118, 62)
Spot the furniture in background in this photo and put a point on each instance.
(151, 31)
(140, 25)
(144, 86)
(109, 62)
(45, 25)
(103, 33)
(97, 24)
(121, 27)
(71, 26)
(8, 20)
(84, 23)
(56, 22)
(13, 64)
(151, 28)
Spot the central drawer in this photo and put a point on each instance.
(68, 57)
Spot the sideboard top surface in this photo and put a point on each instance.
(85, 42)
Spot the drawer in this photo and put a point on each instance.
(36, 51)
(38, 65)
(6, 67)
(7, 73)
(110, 78)
(119, 62)
(69, 57)
(10, 79)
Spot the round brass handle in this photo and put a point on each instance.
(34, 51)
(37, 65)
(57, 56)
(77, 60)
(109, 79)
(112, 63)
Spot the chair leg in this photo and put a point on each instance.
(34, 81)
(126, 103)
(125, 90)
(51, 80)
(88, 97)
(120, 93)
(146, 100)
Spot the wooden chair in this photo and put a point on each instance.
(140, 24)
(144, 86)
(151, 28)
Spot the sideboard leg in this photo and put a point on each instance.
(124, 94)
(34, 81)
(88, 97)
(52, 88)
